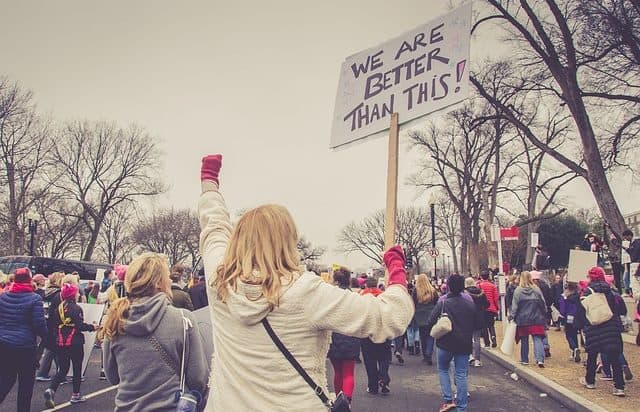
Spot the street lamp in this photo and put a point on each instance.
(432, 207)
(32, 218)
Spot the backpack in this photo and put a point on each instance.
(66, 328)
(596, 308)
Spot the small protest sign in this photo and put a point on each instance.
(419, 72)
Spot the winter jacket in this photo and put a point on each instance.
(569, 306)
(481, 302)
(556, 293)
(52, 297)
(546, 293)
(21, 319)
(508, 298)
(343, 347)
(70, 335)
(464, 320)
(605, 337)
(180, 298)
(198, 295)
(153, 343)
(423, 310)
(528, 307)
(309, 311)
(491, 292)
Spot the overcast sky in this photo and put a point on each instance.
(253, 80)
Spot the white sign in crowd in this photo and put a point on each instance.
(422, 71)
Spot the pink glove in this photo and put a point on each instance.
(211, 167)
(394, 261)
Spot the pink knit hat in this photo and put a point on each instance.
(69, 291)
(536, 274)
(120, 270)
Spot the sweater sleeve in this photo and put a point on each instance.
(378, 318)
(38, 321)
(109, 363)
(215, 226)
(78, 319)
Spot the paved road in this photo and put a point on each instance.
(414, 387)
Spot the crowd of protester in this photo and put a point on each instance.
(267, 311)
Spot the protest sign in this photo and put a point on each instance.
(580, 262)
(419, 72)
(92, 314)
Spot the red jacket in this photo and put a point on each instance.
(491, 291)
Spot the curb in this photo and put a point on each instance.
(569, 399)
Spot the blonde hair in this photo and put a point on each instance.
(55, 279)
(425, 292)
(73, 279)
(264, 241)
(144, 276)
(525, 280)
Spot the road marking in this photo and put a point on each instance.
(88, 396)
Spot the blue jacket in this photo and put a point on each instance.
(21, 319)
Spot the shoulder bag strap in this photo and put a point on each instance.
(317, 389)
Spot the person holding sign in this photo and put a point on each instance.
(268, 311)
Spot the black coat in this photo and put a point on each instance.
(198, 295)
(508, 298)
(464, 320)
(556, 293)
(180, 299)
(423, 310)
(52, 297)
(482, 303)
(73, 311)
(343, 347)
(605, 337)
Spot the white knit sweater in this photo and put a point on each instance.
(248, 372)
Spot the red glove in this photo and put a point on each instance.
(211, 167)
(394, 261)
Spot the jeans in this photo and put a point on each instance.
(412, 335)
(376, 358)
(398, 343)
(461, 373)
(627, 276)
(545, 341)
(17, 364)
(72, 354)
(571, 334)
(538, 348)
(426, 342)
(48, 356)
(614, 357)
(476, 344)
(490, 331)
(606, 363)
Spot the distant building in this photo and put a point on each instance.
(633, 222)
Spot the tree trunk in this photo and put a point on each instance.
(465, 229)
(91, 246)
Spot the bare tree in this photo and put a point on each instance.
(174, 232)
(367, 235)
(23, 155)
(308, 252)
(115, 243)
(448, 226)
(59, 227)
(102, 166)
(560, 57)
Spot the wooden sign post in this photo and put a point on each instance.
(392, 184)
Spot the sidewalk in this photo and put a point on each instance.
(565, 373)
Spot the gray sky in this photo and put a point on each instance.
(254, 80)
